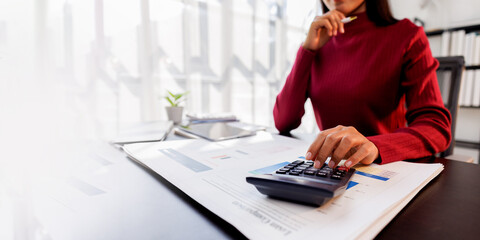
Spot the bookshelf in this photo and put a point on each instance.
(454, 41)
(472, 67)
(467, 28)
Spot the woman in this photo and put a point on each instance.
(367, 80)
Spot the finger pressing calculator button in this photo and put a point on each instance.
(343, 168)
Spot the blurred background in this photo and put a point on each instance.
(93, 66)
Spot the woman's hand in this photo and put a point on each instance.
(341, 143)
(323, 28)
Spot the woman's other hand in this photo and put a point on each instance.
(323, 28)
(340, 143)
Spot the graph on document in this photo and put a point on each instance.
(373, 173)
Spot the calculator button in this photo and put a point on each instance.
(322, 174)
(284, 169)
(281, 172)
(343, 168)
(300, 168)
(309, 172)
(294, 173)
(334, 176)
(305, 165)
(298, 162)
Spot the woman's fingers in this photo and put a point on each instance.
(322, 28)
(345, 146)
(333, 21)
(331, 142)
(358, 156)
(338, 17)
(317, 145)
(328, 26)
(340, 143)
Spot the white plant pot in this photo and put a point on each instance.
(174, 114)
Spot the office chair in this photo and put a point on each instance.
(449, 74)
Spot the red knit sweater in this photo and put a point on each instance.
(376, 79)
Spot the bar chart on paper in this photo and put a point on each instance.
(372, 172)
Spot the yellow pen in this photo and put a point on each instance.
(348, 19)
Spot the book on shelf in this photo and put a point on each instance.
(469, 48)
(457, 43)
(467, 97)
(446, 36)
(460, 43)
(453, 44)
(476, 89)
(436, 45)
(476, 51)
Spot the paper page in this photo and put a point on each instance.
(144, 132)
(214, 175)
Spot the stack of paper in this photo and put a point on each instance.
(213, 173)
(144, 132)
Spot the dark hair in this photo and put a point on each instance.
(378, 11)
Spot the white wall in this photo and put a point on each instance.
(438, 13)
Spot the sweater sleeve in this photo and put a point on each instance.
(428, 130)
(289, 105)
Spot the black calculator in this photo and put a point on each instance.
(300, 182)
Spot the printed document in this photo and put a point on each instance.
(213, 173)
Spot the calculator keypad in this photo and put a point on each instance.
(306, 169)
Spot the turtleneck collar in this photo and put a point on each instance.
(361, 23)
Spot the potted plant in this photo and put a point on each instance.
(174, 111)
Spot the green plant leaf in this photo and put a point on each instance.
(176, 99)
(171, 94)
(170, 101)
(178, 96)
